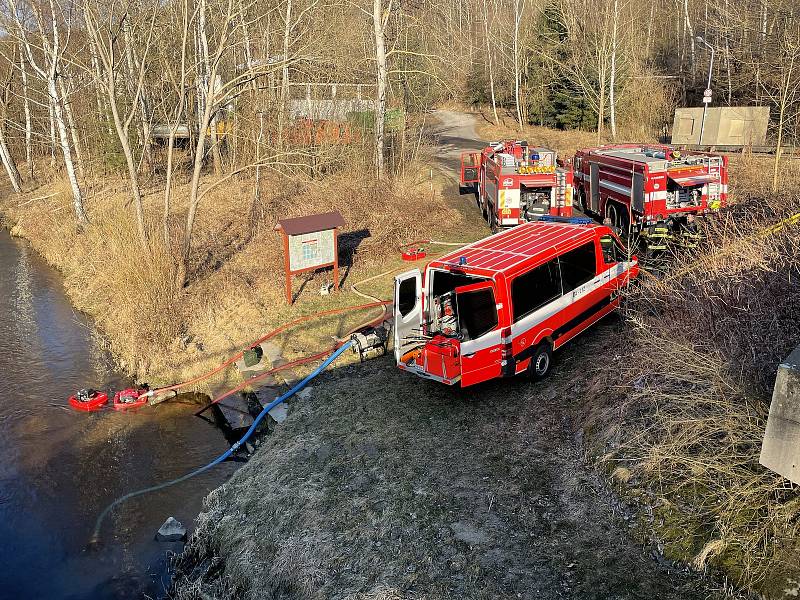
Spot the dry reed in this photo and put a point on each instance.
(685, 418)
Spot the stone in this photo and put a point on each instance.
(305, 393)
(171, 531)
(279, 412)
(271, 351)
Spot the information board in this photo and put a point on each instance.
(310, 250)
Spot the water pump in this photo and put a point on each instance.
(371, 342)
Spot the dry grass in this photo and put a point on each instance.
(691, 439)
(685, 415)
(236, 290)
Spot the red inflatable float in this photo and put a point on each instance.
(130, 398)
(88, 400)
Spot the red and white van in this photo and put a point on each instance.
(500, 306)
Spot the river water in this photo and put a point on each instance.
(59, 468)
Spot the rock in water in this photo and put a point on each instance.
(171, 531)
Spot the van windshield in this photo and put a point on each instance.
(442, 308)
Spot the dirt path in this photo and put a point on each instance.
(453, 132)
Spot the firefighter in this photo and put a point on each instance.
(689, 234)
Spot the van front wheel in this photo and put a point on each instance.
(541, 361)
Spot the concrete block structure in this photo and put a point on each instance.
(780, 450)
(725, 126)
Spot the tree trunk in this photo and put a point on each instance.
(690, 29)
(613, 74)
(8, 163)
(785, 84)
(133, 172)
(66, 151)
(489, 60)
(382, 75)
(73, 129)
(283, 109)
(517, 75)
(210, 90)
(174, 128)
(26, 103)
(131, 63)
(53, 140)
(194, 189)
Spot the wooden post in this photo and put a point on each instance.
(286, 267)
(336, 259)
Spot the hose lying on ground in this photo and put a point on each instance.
(354, 287)
(375, 302)
(260, 340)
(227, 453)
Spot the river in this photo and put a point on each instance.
(59, 468)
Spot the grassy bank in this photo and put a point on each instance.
(235, 293)
(382, 486)
(680, 424)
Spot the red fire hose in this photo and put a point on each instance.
(268, 336)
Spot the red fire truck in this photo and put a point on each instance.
(649, 190)
(515, 183)
(500, 306)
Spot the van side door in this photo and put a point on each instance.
(407, 313)
(478, 321)
(584, 292)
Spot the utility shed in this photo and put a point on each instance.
(725, 126)
(780, 451)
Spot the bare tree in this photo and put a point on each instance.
(186, 20)
(26, 103)
(106, 43)
(489, 67)
(379, 28)
(613, 74)
(49, 72)
(519, 8)
(5, 155)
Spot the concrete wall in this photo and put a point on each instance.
(725, 126)
(780, 450)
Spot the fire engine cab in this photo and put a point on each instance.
(500, 306)
(649, 189)
(516, 183)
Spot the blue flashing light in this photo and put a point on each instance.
(462, 260)
(572, 220)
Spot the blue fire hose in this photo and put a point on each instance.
(280, 399)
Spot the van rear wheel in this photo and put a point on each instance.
(541, 361)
